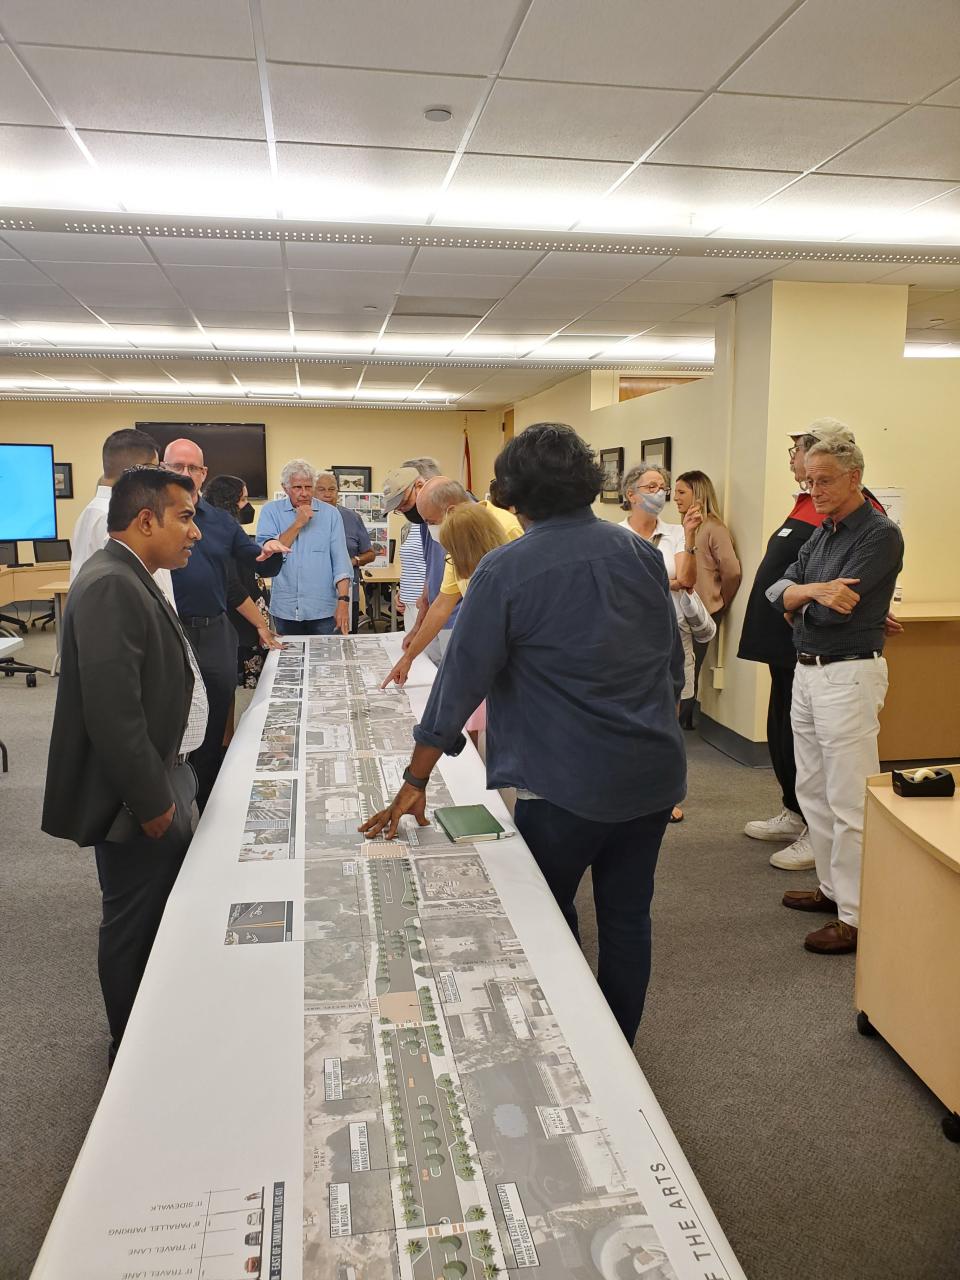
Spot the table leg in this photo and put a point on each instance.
(57, 624)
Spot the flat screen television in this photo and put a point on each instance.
(28, 504)
(229, 448)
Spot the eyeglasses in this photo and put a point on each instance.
(649, 488)
(182, 468)
(793, 451)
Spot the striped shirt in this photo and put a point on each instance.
(413, 570)
(866, 545)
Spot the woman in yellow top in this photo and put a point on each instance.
(467, 532)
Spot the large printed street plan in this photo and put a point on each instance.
(447, 1129)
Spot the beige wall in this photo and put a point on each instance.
(379, 438)
(788, 353)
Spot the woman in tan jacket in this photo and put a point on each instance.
(718, 569)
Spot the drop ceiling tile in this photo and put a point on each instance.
(348, 257)
(922, 143)
(369, 108)
(186, 175)
(114, 284)
(430, 285)
(152, 93)
(665, 199)
(929, 275)
(601, 328)
(946, 307)
(369, 184)
(25, 309)
(574, 289)
(234, 319)
(185, 370)
(42, 167)
(350, 323)
(827, 206)
(681, 44)
(638, 314)
(282, 371)
(226, 288)
(453, 36)
(880, 50)
(586, 122)
(126, 369)
(524, 192)
(20, 103)
(220, 27)
(456, 380)
(948, 97)
(502, 262)
(558, 312)
(26, 295)
(327, 291)
(76, 246)
(669, 291)
(769, 133)
(622, 267)
(201, 252)
(409, 304)
(678, 329)
(725, 271)
(457, 326)
(19, 272)
(384, 375)
(833, 272)
(496, 324)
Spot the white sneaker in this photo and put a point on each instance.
(785, 826)
(796, 857)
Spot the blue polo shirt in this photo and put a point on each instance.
(570, 634)
(304, 588)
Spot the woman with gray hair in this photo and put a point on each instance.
(645, 491)
(311, 592)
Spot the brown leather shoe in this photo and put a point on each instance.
(809, 900)
(835, 939)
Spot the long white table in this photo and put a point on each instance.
(359, 1061)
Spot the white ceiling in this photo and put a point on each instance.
(816, 123)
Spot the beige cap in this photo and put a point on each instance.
(396, 485)
(826, 429)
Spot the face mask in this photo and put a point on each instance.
(434, 532)
(413, 515)
(246, 514)
(653, 503)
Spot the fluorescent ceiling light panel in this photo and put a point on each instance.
(413, 346)
(250, 339)
(72, 335)
(350, 344)
(144, 336)
(931, 351)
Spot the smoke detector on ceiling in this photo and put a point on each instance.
(438, 115)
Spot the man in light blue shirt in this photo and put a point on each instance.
(311, 591)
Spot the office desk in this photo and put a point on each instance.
(8, 647)
(351, 1058)
(30, 582)
(911, 877)
(379, 580)
(920, 720)
(59, 589)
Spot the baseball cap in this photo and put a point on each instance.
(396, 485)
(826, 429)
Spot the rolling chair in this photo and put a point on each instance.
(10, 556)
(56, 551)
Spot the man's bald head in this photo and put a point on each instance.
(437, 497)
(186, 458)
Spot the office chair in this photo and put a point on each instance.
(56, 551)
(10, 557)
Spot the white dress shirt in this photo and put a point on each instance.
(90, 535)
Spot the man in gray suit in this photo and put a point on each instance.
(130, 706)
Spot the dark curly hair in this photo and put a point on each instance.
(224, 492)
(547, 471)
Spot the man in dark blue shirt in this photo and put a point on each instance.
(204, 594)
(583, 720)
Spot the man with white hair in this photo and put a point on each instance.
(836, 596)
(311, 593)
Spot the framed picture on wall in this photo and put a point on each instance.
(656, 452)
(611, 462)
(354, 479)
(63, 479)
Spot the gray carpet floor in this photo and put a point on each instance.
(819, 1150)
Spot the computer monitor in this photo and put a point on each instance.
(56, 550)
(9, 554)
(28, 506)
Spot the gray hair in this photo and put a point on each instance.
(426, 468)
(297, 467)
(326, 475)
(629, 482)
(449, 494)
(848, 456)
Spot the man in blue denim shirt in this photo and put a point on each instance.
(310, 595)
(582, 714)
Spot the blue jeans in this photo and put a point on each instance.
(306, 627)
(623, 859)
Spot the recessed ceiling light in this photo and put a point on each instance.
(438, 115)
(370, 307)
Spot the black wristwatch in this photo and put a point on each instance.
(345, 599)
(414, 781)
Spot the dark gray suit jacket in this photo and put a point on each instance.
(123, 701)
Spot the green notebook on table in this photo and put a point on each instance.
(465, 823)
